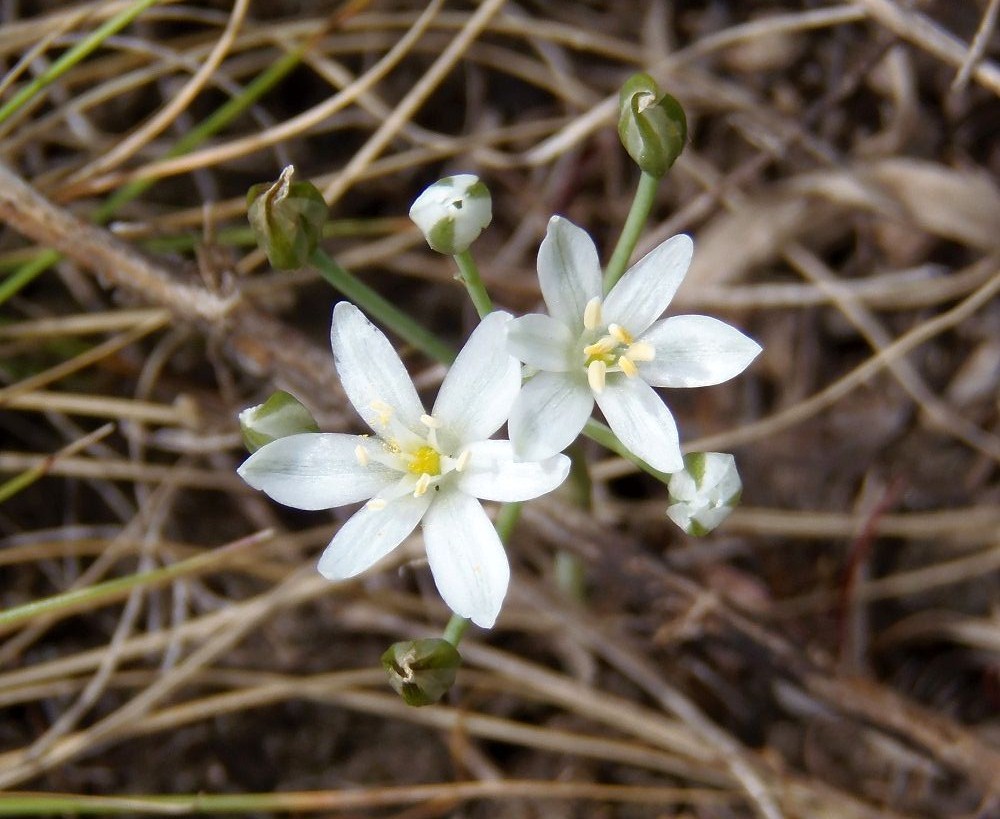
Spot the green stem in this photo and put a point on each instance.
(70, 58)
(597, 431)
(381, 309)
(642, 204)
(455, 629)
(27, 273)
(469, 275)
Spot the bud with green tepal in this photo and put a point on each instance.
(287, 219)
(651, 125)
(452, 212)
(279, 416)
(704, 492)
(422, 671)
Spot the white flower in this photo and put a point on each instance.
(704, 492)
(452, 212)
(613, 350)
(417, 468)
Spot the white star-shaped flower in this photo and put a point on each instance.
(613, 349)
(418, 467)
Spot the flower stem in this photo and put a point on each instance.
(642, 204)
(469, 275)
(456, 627)
(597, 431)
(381, 309)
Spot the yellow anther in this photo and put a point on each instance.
(592, 313)
(430, 422)
(628, 366)
(463, 461)
(641, 351)
(383, 412)
(362, 455)
(619, 334)
(422, 485)
(599, 348)
(596, 373)
(425, 461)
(375, 504)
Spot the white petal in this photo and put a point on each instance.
(479, 389)
(643, 293)
(370, 370)
(642, 422)
(549, 413)
(542, 342)
(493, 474)
(315, 470)
(569, 271)
(696, 351)
(370, 534)
(466, 557)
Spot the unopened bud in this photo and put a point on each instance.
(279, 416)
(704, 492)
(287, 218)
(452, 212)
(651, 125)
(422, 671)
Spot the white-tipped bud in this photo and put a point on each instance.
(452, 212)
(279, 416)
(704, 492)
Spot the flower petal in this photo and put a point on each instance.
(644, 292)
(549, 413)
(642, 422)
(371, 372)
(569, 271)
(696, 351)
(466, 557)
(541, 342)
(315, 470)
(370, 534)
(493, 474)
(479, 389)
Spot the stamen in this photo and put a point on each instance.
(430, 422)
(375, 504)
(383, 411)
(628, 366)
(601, 347)
(592, 313)
(641, 351)
(463, 461)
(620, 334)
(422, 485)
(596, 373)
(362, 455)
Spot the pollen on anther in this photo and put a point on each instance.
(596, 374)
(430, 422)
(641, 351)
(592, 313)
(383, 411)
(627, 366)
(375, 504)
(362, 455)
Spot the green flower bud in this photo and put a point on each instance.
(651, 125)
(280, 415)
(287, 218)
(704, 492)
(422, 671)
(452, 212)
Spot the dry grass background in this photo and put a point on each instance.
(832, 651)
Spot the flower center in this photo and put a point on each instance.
(417, 455)
(425, 461)
(613, 351)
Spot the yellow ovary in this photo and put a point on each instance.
(425, 461)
